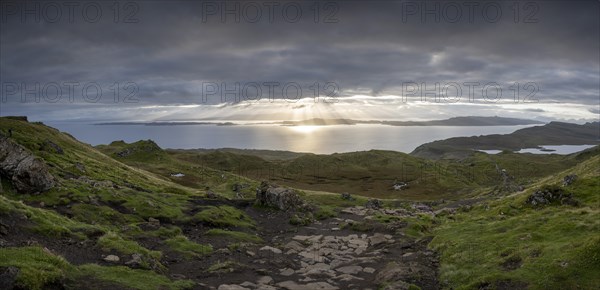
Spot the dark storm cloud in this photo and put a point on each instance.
(372, 47)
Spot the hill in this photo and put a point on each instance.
(467, 121)
(455, 121)
(546, 237)
(135, 216)
(375, 173)
(385, 174)
(554, 133)
(103, 223)
(269, 155)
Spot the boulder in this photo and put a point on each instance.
(8, 277)
(136, 261)
(153, 223)
(400, 186)
(548, 195)
(271, 249)
(124, 153)
(350, 269)
(291, 285)
(377, 239)
(278, 197)
(347, 196)
(294, 245)
(248, 284)
(80, 167)
(373, 203)
(421, 207)
(112, 259)
(569, 179)
(231, 287)
(27, 173)
(286, 272)
(266, 287)
(211, 194)
(369, 270)
(265, 280)
(239, 186)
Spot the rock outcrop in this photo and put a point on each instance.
(548, 195)
(278, 197)
(347, 196)
(27, 173)
(373, 203)
(569, 179)
(50, 146)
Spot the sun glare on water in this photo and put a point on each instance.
(304, 129)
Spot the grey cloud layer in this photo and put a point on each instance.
(170, 51)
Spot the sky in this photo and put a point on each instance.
(293, 60)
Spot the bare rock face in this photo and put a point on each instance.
(27, 173)
(278, 197)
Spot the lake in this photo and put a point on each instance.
(548, 149)
(556, 149)
(315, 139)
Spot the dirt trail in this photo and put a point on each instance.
(322, 255)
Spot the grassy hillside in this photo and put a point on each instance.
(509, 243)
(151, 209)
(99, 207)
(370, 173)
(188, 169)
(270, 155)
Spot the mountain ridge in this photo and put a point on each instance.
(553, 133)
(454, 121)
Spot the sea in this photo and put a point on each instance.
(313, 139)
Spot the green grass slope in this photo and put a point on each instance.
(200, 171)
(509, 244)
(373, 173)
(370, 173)
(99, 206)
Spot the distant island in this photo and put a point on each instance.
(455, 121)
(167, 123)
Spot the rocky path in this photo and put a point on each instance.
(323, 256)
(327, 254)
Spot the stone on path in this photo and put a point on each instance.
(112, 259)
(269, 248)
(350, 269)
